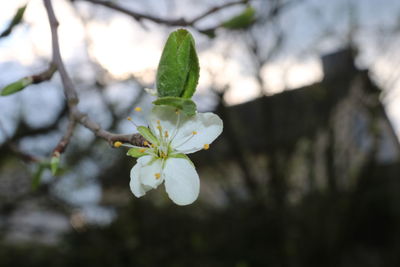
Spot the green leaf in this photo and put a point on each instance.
(15, 21)
(178, 69)
(37, 176)
(187, 106)
(209, 32)
(54, 164)
(242, 20)
(16, 86)
(193, 74)
(181, 156)
(147, 134)
(136, 152)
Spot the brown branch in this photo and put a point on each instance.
(139, 16)
(45, 75)
(71, 94)
(13, 148)
(216, 9)
(69, 90)
(62, 145)
(169, 22)
(21, 154)
(23, 129)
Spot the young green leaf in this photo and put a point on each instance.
(54, 164)
(15, 21)
(209, 32)
(136, 152)
(187, 106)
(16, 86)
(178, 69)
(192, 77)
(37, 176)
(242, 20)
(146, 133)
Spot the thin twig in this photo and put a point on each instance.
(21, 154)
(69, 90)
(71, 94)
(62, 145)
(23, 129)
(4, 132)
(14, 149)
(45, 75)
(216, 9)
(182, 22)
(139, 16)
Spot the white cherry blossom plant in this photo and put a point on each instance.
(175, 127)
(171, 135)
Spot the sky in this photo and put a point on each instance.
(124, 47)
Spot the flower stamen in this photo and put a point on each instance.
(178, 121)
(206, 146)
(190, 137)
(117, 144)
(131, 120)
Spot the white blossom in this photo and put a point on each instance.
(171, 136)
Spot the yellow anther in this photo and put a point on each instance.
(146, 143)
(177, 111)
(153, 145)
(129, 118)
(157, 175)
(138, 109)
(142, 150)
(117, 144)
(194, 132)
(159, 127)
(206, 146)
(166, 134)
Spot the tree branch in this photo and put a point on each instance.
(169, 22)
(139, 16)
(62, 145)
(71, 94)
(13, 148)
(45, 75)
(216, 9)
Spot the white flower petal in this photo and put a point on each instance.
(150, 171)
(166, 116)
(136, 186)
(206, 126)
(181, 181)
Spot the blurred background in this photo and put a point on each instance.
(306, 172)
